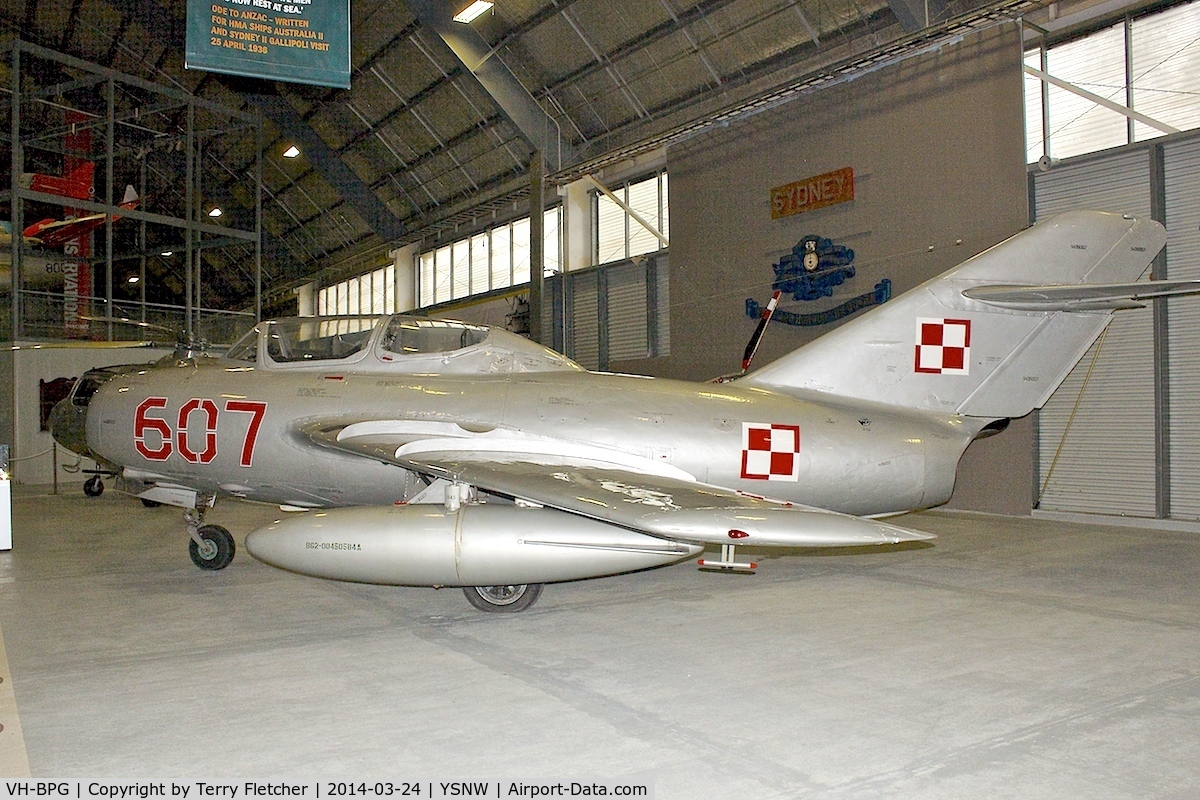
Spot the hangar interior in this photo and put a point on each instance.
(598, 175)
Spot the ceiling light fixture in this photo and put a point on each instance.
(471, 12)
(167, 253)
(134, 279)
(291, 152)
(216, 212)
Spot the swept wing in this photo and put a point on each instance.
(614, 487)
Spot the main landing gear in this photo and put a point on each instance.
(211, 546)
(504, 599)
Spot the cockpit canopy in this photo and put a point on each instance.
(395, 344)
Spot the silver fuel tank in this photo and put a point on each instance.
(477, 545)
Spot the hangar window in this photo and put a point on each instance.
(618, 234)
(1149, 64)
(372, 293)
(496, 258)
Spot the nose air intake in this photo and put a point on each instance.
(68, 418)
(68, 424)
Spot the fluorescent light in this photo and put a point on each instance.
(216, 212)
(472, 11)
(133, 278)
(167, 253)
(291, 152)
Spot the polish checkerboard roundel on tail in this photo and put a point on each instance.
(993, 337)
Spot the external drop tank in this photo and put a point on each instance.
(475, 545)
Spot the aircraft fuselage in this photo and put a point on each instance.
(226, 428)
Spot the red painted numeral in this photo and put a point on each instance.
(210, 431)
(257, 409)
(142, 424)
(181, 439)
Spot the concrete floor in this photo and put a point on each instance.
(1011, 658)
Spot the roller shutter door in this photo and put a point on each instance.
(583, 324)
(627, 312)
(1182, 182)
(660, 308)
(1106, 462)
(617, 312)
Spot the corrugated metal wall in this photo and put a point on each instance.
(612, 314)
(1107, 460)
(1181, 170)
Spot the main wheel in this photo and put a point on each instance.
(93, 486)
(504, 599)
(217, 550)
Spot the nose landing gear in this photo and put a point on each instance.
(211, 546)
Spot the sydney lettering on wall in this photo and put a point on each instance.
(812, 193)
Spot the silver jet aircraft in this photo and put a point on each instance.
(433, 453)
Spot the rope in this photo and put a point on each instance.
(64, 467)
(27, 458)
(1071, 419)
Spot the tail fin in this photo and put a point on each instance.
(79, 181)
(950, 345)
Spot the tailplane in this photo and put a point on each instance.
(996, 335)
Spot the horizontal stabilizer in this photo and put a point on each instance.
(1105, 297)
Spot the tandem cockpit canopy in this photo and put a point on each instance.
(395, 344)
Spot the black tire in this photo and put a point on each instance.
(219, 554)
(503, 599)
(93, 486)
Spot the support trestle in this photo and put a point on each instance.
(727, 562)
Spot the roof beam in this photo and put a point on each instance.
(377, 215)
(538, 128)
(917, 14)
(373, 211)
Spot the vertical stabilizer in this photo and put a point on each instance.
(935, 349)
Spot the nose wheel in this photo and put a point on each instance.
(214, 550)
(211, 546)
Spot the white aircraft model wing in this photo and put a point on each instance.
(623, 490)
